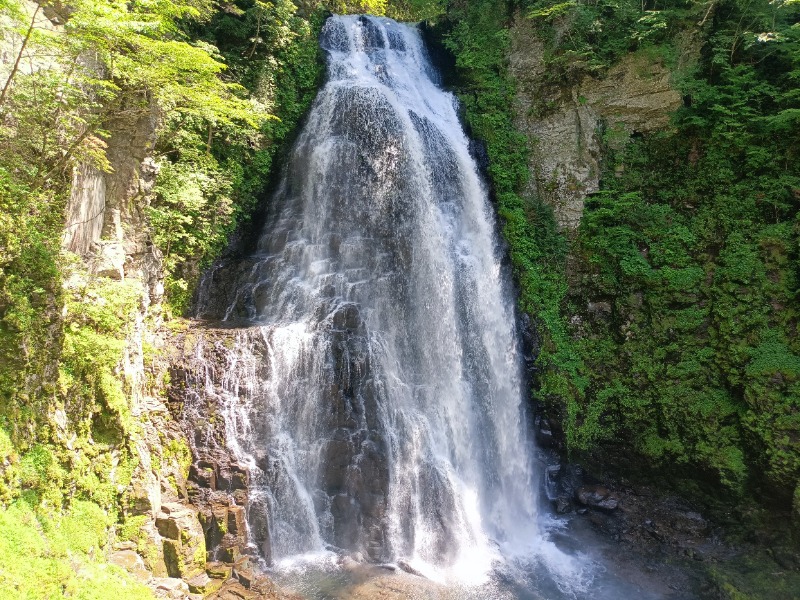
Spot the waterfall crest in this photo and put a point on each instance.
(375, 389)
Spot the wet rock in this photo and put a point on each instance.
(544, 433)
(561, 483)
(597, 496)
(563, 505)
(260, 529)
(408, 568)
(237, 524)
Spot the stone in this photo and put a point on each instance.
(544, 433)
(244, 576)
(145, 495)
(408, 568)
(184, 540)
(109, 259)
(240, 497)
(240, 478)
(152, 549)
(204, 477)
(233, 590)
(243, 562)
(203, 584)
(563, 505)
(237, 523)
(597, 496)
(229, 550)
(126, 545)
(218, 570)
(132, 563)
(168, 528)
(169, 587)
(565, 120)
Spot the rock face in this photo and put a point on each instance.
(183, 539)
(597, 496)
(237, 521)
(566, 124)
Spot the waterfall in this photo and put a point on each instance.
(374, 389)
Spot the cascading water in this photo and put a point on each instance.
(374, 389)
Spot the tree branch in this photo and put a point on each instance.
(14, 69)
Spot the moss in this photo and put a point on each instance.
(54, 556)
(199, 557)
(754, 576)
(131, 528)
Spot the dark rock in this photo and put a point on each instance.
(244, 576)
(544, 433)
(203, 476)
(229, 550)
(240, 480)
(597, 496)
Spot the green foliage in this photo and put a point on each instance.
(588, 37)
(698, 362)
(213, 172)
(54, 556)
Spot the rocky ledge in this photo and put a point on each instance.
(686, 549)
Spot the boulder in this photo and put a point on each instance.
(184, 542)
(203, 584)
(597, 496)
(170, 587)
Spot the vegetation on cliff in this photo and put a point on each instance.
(225, 85)
(693, 240)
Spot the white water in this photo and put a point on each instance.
(377, 393)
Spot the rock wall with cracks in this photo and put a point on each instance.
(568, 124)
